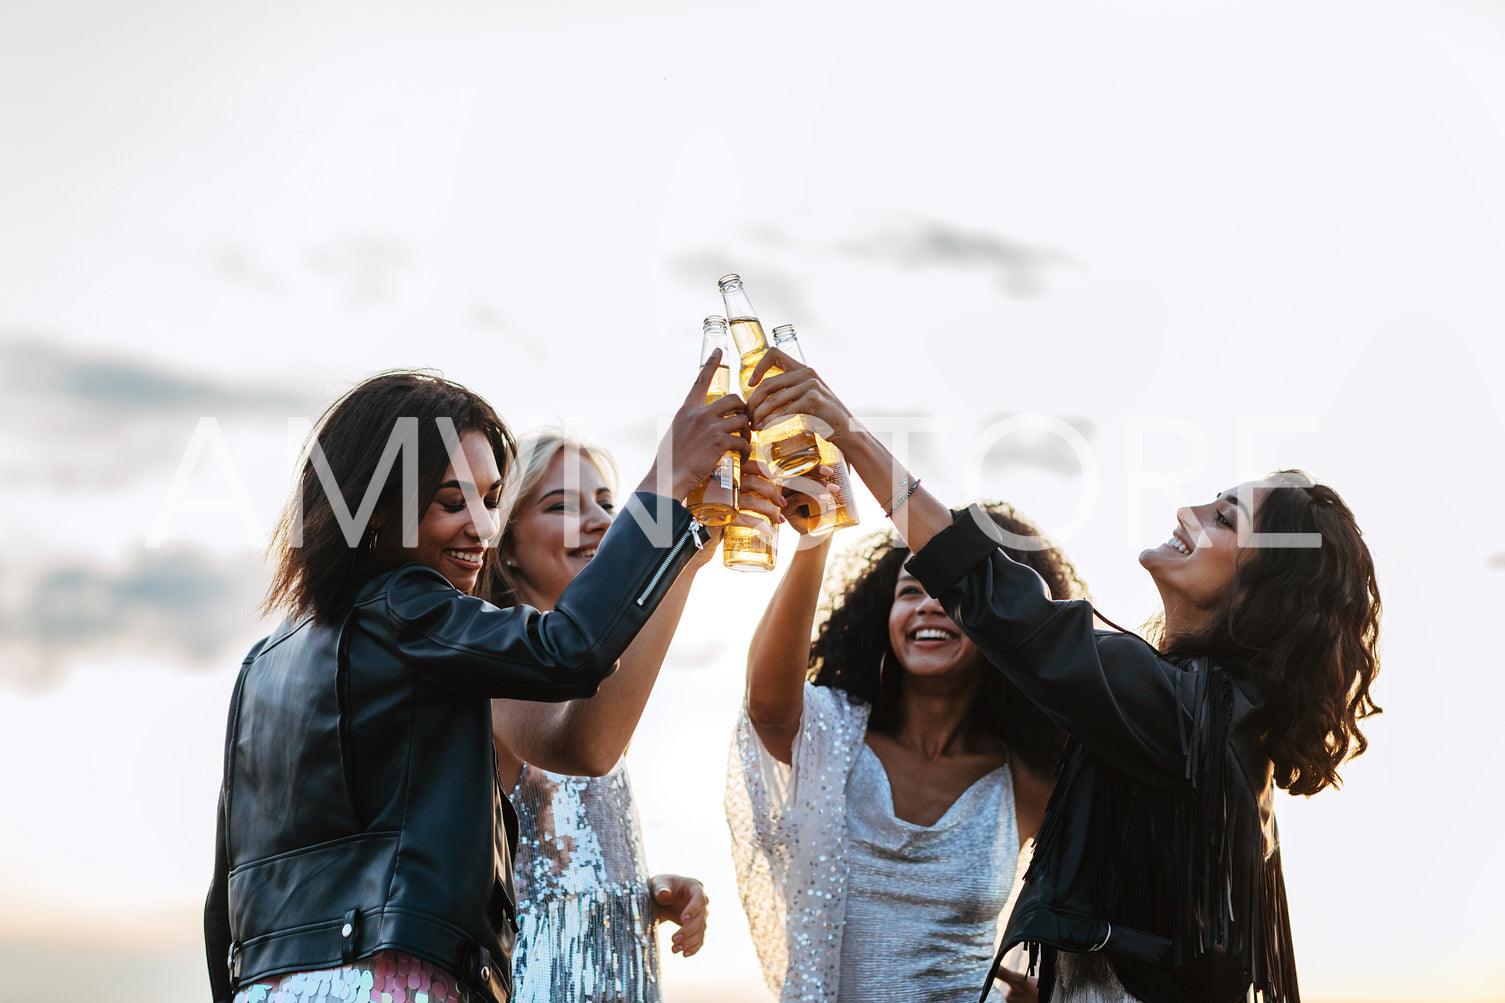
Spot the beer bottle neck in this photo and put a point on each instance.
(787, 341)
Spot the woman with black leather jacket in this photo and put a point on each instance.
(1156, 874)
(364, 845)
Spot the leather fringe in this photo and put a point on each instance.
(1187, 863)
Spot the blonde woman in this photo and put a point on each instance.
(588, 909)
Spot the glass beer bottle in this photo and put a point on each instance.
(788, 447)
(750, 548)
(841, 511)
(714, 502)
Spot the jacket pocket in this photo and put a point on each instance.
(311, 885)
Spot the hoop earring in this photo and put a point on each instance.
(882, 663)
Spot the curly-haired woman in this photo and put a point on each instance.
(878, 806)
(1156, 874)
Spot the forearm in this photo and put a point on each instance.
(920, 516)
(779, 654)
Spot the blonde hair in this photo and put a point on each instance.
(536, 450)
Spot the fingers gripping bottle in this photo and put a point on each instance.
(788, 447)
(714, 502)
(841, 511)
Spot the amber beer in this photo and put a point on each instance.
(790, 446)
(750, 548)
(841, 511)
(714, 502)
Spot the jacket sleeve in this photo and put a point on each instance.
(464, 644)
(1110, 692)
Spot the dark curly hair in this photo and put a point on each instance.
(852, 641)
(1303, 624)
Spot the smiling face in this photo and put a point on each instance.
(451, 539)
(1195, 567)
(556, 529)
(924, 638)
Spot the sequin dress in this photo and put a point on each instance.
(585, 911)
(845, 902)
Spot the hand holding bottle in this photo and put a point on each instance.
(760, 497)
(699, 435)
(798, 389)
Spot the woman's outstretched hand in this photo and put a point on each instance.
(698, 437)
(681, 901)
(796, 390)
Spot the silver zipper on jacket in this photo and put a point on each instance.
(692, 534)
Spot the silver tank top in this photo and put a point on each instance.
(923, 901)
(586, 928)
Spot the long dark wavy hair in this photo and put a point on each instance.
(851, 644)
(323, 574)
(1303, 624)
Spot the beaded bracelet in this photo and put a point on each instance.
(899, 499)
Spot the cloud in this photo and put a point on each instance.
(179, 606)
(35, 372)
(906, 243)
(110, 414)
(911, 244)
(777, 294)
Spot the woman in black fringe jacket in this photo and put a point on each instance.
(1156, 874)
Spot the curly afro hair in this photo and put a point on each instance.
(852, 641)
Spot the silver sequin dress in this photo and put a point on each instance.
(845, 902)
(586, 921)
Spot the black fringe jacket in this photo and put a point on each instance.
(1159, 843)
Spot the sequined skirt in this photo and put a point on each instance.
(384, 977)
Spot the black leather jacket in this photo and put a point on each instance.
(360, 809)
(1159, 843)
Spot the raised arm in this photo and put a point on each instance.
(780, 652)
(468, 645)
(1111, 692)
(464, 644)
(1114, 694)
(917, 514)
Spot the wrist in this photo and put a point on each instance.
(847, 433)
(655, 482)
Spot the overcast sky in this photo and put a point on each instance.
(1208, 239)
